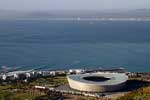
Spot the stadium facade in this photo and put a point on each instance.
(97, 82)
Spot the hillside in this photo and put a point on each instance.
(140, 94)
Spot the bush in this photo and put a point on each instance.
(140, 94)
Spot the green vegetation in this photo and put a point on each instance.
(25, 91)
(12, 92)
(50, 81)
(140, 94)
(4, 91)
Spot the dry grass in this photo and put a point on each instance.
(140, 94)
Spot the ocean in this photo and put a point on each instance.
(68, 44)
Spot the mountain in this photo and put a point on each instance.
(138, 13)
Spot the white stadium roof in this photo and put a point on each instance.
(97, 82)
(115, 78)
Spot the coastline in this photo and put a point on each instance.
(55, 81)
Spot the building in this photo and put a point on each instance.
(53, 73)
(28, 75)
(3, 77)
(76, 71)
(97, 82)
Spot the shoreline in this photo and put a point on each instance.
(55, 81)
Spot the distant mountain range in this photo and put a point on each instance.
(138, 13)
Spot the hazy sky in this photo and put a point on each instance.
(73, 4)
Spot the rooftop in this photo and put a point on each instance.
(100, 78)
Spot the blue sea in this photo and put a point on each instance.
(62, 44)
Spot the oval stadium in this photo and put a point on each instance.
(97, 82)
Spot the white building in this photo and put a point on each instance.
(3, 76)
(97, 82)
(28, 75)
(76, 71)
(16, 76)
(53, 73)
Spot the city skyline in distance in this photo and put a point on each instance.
(71, 5)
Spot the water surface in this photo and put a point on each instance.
(75, 44)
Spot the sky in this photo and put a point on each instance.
(73, 4)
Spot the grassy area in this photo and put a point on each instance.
(24, 96)
(10, 92)
(4, 91)
(50, 81)
(23, 91)
(5, 87)
(140, 94)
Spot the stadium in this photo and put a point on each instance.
(97, 82)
